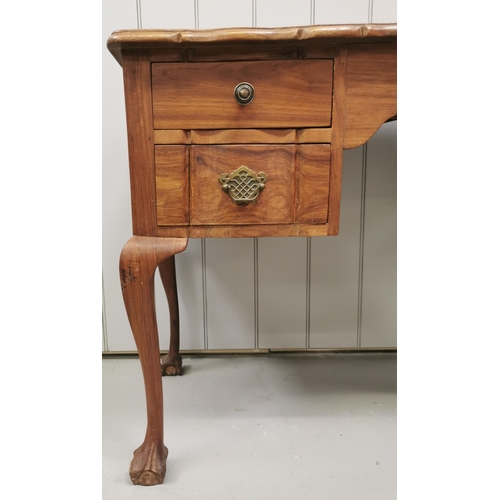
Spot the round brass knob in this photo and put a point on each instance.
(244, 93)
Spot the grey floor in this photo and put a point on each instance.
(259, 427)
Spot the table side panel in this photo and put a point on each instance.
(371, 90)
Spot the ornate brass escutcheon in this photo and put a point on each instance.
(243, 185)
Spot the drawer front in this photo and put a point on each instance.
(288, 94)
(296, 184)
(211, 205)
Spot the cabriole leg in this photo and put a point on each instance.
(138, 261)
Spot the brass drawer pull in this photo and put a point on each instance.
(243, 185)
(244, 93)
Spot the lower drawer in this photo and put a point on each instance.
(242, 184)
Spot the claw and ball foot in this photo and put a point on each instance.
(171, 365)
(149, 464)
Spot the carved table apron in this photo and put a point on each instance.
(235, 133)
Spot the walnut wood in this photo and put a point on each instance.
(242, 53)
(244, 136)
(263, 136)
(160, 39)
(171, 363)
(172, 136)
(316, 51)
(253, 231)
(138, 261)
(337, 138)
(137, 82)
(211, 205)
(261, 52)
(244, 231)
(370, 83)
(314, 135)
(312, 183)
(288, 94)
(168, 55)
(172, 185)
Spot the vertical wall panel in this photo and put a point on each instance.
(167, 14)
(282, 292)
(116, 209)
(275, 13)
(225, 13)
(334, 267)
(384, 11)
(230, 293)
(379, 272)
(341, 12)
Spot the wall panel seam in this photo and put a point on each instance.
(308, 292)
(256, 291)
(361, 244)
(138, 7)
(196, 14)
(204, 291)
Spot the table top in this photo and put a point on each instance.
(342, 33)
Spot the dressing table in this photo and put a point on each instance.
(235, 133)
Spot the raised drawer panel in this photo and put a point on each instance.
(172, 185)
(211, 205)
(288, 94)
(312, 183)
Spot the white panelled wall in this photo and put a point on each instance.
(324, 292)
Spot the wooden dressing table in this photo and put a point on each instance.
(235, 133)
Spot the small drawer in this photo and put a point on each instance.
(286, 94)
(295, 181)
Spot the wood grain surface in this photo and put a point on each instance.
(244, 136)
(138, 261)
(288, 94)
(371, 90)
(243, 231)
(137, 82)
(297, 35)
(261, 230)
(337, 144)
(211, 205)
(172, 185)
(312, 183)
(261, 52)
